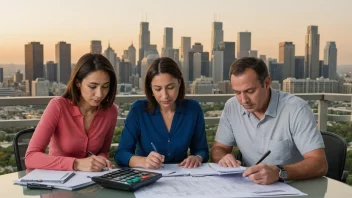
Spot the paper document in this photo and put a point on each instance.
(218, 168)
(206, 169)
(52, 176)
(214, 187)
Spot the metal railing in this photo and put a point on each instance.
(322, 115)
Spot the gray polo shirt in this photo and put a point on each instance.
(288, 129)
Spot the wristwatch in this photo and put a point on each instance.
(282, 173)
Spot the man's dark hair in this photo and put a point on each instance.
(239, 67)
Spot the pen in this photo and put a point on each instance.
(39, 186)
(154, 148)
(264, 156)
(89, 153)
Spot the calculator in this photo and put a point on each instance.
(127, 179)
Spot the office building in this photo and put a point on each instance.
(50, 70)
(228, 49)
(299, 67)
(311, 58)
(63, 61)
(96, 47)
(202, 85)
(144, 39)
(243, 44)
(34, 63)
(287, 59)
(217, 34)
(18, 77)
(184, 59)
(132, 55)
(319, 85)
(330, 58)
(40, 87)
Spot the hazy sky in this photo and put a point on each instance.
(79, 21)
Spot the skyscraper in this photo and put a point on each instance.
(287, 59)
(1, 75)
(197, 47)
(217, 34)
(34, 67)
(229, 57)
(243, 44)
(330, 58)
(311, 57)
(95, 47)
(63, 60)
(132, 55)
(167, 49)
(144, 39)
(184, 59)
(299, 67)
(51, 71)
(217, 66)
(18, 77)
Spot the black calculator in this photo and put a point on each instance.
(127, 179)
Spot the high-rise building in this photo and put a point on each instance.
(63, 60)
(299, 67)
(146, 61)
(275, 70)
(167, 49)
(144, 39)
(1, 75)
(125, 54)
(330, 58)
(197, 47)
(18, 77)
(110, 54)
(190, 66)
(34, 63)
(95, 47)
(184, 59)
(287, 59)
(229, 57)
(132, 54)
(50, 70)
(311, 58)
(217, 34)
(243, 44)
(125, 71)
(217, 66)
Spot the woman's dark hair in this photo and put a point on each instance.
(158, 66)
(258, 65)
(87, 64)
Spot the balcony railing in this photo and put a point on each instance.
(322, 115)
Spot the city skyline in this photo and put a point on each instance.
(118, 22)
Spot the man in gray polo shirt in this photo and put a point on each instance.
(259, 119)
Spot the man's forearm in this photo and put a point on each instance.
(217, 153)
(306, 169)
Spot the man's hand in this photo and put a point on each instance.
(153, 161)
(191, 162)
(229, 161)
(262, 173)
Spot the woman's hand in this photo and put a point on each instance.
(191, 161)
(92, 164)
(153, 161)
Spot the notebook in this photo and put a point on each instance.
(51, 176)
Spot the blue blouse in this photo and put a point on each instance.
(142, 127)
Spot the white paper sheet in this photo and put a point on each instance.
(213, 187)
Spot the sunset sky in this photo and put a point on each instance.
(79, 21)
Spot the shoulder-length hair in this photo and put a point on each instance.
(158, 66)
(87, 64)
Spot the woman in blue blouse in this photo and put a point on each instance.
(162, 127)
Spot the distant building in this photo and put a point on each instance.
(50, 71)
(311, 59)
(224, 87)
(40, 87)
(330, 58)
(18, 77)
(34, 62)
(202, 85)
(63, 61)
(96, 47)
(243, 44)
(320, 85)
